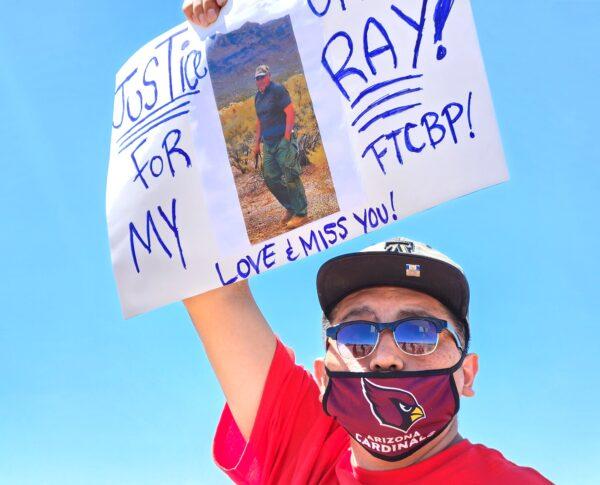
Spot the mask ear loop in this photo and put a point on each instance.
(458, 365)
(455, 367)
(453, 387)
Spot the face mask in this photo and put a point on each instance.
(393, 414)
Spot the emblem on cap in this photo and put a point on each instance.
(413, 270)
(407, 247)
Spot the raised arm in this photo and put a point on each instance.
(239, 344)
(238, 340)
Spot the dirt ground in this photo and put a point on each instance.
(262, 212)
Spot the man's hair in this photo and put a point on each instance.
(462, 328)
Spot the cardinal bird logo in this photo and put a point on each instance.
(393, 407)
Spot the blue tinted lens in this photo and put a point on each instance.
(416, 337)
(356, 340)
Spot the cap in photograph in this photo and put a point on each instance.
(262, 70)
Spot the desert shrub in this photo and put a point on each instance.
(239, 120)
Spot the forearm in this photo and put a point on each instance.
(239, 344)
(289, 121)
(238, 340)
(258, 133)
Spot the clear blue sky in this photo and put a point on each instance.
(86, 397)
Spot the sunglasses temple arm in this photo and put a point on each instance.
(455, 337)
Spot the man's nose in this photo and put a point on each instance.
(387, 355)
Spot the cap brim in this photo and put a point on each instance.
(348, 273)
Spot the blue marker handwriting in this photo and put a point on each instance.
(159, 163)
(321, 7)
(303, 244)
(158, 89)
(249, 265)
(356, 67)
(376, 46)
(372, 218)
(156, 229)
(318, 240)
(427, 132)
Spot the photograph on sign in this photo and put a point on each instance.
(273, 141)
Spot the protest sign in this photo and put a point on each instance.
(391, 111)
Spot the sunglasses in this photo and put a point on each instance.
(413, 336)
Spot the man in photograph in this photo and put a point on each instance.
(275, 128)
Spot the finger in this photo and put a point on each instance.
(211, 10)
(199, 16)
(221, 3)
(188, 9)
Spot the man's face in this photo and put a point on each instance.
(388, 304)
(262, 82)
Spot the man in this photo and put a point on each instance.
(383, 407)
(281, 167)
(384, 403)
(274, 127)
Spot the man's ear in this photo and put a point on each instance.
(469, 368)
(321, 376)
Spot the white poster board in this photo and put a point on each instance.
(392, 110)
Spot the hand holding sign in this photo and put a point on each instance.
(202, 12)
(362, 118)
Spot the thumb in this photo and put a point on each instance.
(188, 9)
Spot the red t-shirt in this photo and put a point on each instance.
(294, 442)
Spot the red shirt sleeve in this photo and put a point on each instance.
(292, 441)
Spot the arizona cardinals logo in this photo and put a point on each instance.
(395, 408)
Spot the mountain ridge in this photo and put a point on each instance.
(233, 57)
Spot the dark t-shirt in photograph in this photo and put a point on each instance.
(269, 109)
